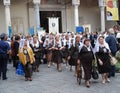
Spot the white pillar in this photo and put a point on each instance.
(7, 16)
(76, 4)
(102, 18)
(102, 5)
(37, 13)
(37, 16)
(76, 13)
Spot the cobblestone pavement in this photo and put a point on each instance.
(48, 80)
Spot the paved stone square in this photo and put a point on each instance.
(49, 80)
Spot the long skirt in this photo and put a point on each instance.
(87, 66)
(49, 57)
(57, 57)
(73, 61)
(106, 67)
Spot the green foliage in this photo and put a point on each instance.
(118, 67)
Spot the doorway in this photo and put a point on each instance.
(44, 19)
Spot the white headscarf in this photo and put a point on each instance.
(45, 42)
(36, 45)
(22, 43)
(97, 45)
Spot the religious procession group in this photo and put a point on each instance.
(77, 50)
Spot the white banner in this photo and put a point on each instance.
(54, 25)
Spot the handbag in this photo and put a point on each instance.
(20, 70)
(95, 74)
(113, 60)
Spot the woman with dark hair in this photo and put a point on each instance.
(86, 57)
(13, 50)
(15, 46)
(74, 52)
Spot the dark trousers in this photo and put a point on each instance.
(112, 72)
(28, 70)
(15, 62)
(36, 64)
(3, 66)
(113, 68)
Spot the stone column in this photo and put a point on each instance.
(102, 5)
(76, 13)
(76, 4)
(37, 12)
(7, 15)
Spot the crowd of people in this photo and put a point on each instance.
(69, 48)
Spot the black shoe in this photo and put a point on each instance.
(113, 75)
(88, 86)
(37, 70)
(5, 78)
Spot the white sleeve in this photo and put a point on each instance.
(44, 44)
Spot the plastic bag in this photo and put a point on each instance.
(20, 70)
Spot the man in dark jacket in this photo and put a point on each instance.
(112, 42)
(4, 50)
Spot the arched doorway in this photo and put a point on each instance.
(44, 19)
